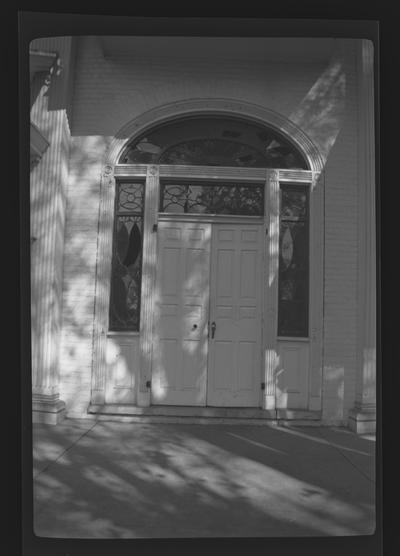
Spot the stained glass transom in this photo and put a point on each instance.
(293, 262)
(127, 257)
(213, 141)
(205, 198)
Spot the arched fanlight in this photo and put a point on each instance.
(214, 141)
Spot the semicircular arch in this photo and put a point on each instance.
(219, 108)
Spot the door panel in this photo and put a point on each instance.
(234, 370)
(182, 298)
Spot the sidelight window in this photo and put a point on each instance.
(127, 257)
(293, 288)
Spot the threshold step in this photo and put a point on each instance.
(185, 420)
(185, 412)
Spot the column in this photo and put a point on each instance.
(362, 418)
(48, 198)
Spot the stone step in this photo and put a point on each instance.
(201, 414)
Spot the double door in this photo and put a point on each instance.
(208, 322)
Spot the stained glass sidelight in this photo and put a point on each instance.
(206, 198)
(127, 257)
(214, 141)
(293, 262)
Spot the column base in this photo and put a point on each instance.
(48, 412)
(362, 422)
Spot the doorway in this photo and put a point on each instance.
(208, 313)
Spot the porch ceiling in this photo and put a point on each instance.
(286, 50)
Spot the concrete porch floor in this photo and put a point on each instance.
(105, 479)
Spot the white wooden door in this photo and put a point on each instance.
(182, 299)
(234, 368)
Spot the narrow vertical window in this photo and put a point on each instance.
(293, 261)
(127, 257)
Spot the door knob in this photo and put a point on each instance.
(194, 327)
(213, 327)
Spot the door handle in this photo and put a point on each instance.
(213, 327)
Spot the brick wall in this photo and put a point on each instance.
(109, 93)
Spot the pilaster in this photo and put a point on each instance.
(316, 289)
(102, 292)
(148, 282)
(271, 306)
(362, 418)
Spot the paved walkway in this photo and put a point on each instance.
(122, 480)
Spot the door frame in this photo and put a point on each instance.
(152, 175)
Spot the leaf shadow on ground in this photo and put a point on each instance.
(159, 481)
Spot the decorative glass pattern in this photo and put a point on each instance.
(131, 198)
(214, 141)
(212, 152)
(293, 262)
(127, 257)
(205, 198)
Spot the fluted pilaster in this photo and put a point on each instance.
(148, 282)
(271, 306)
(362, 417)
(103, 279)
